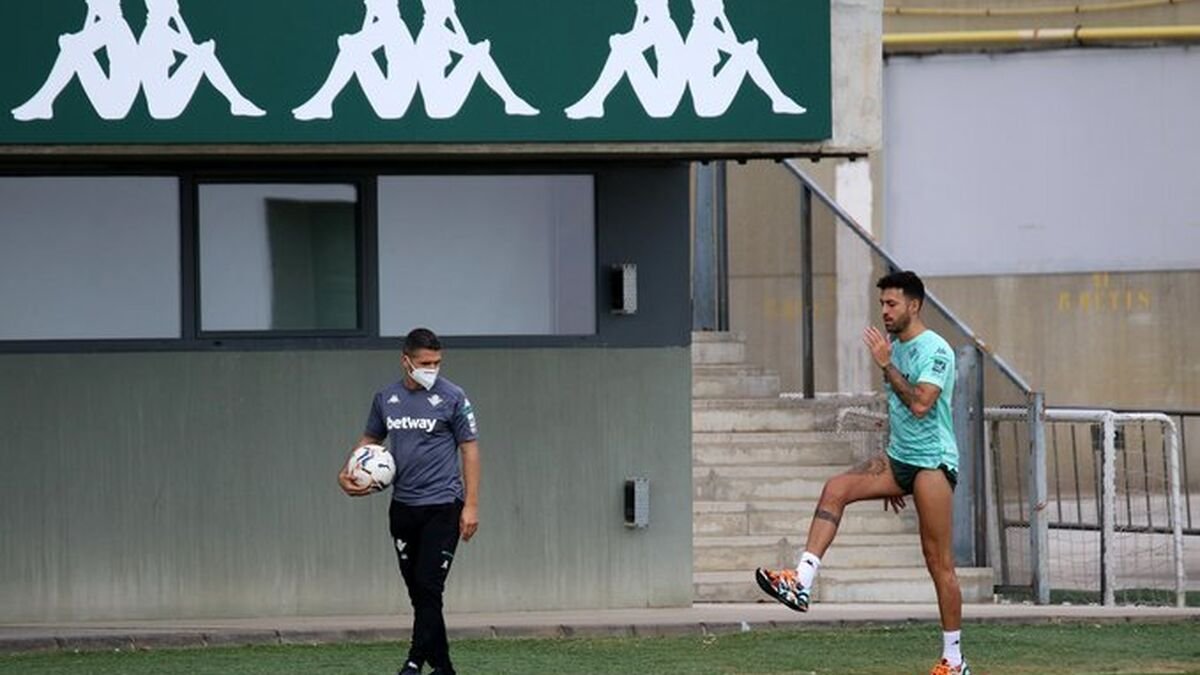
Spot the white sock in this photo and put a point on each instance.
(952, 647)
(807, 568)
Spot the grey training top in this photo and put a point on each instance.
(424, 430)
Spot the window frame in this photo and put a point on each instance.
(364, 176)
(364, 306)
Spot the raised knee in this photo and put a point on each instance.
(833, 494)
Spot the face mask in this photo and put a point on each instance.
(425, 377)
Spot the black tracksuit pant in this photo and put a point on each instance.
(425, 538)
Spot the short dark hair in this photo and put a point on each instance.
(907, 282)
(421, 338)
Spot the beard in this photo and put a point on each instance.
(898, 325)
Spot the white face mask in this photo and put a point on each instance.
(425, 377)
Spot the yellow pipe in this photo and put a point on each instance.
(1123, 5)
(1041, 35)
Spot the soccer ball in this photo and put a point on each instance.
(372, 465)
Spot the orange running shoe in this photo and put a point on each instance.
(784, 587)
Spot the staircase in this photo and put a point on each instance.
(758, 465)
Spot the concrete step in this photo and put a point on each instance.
(756, 414)
(737, 383)
(717, 336)
(779, 448)
(758, 483)
(882, 585)
(718, 352)
(857, 551)
(791, 518)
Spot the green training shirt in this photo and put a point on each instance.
(924, 441)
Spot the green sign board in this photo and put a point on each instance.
(414, 71)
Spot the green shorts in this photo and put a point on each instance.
(906, 474)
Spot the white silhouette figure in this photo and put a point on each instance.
(445, 91)
(713, 92)
(168, 93)
(659, 93)
(388, 93)
(111, 94)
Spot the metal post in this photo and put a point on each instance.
(704, 254)
(806, 290)
(721, 221)
(1039, 531)
(1172, 440)
(970, 496)
(1108, 519)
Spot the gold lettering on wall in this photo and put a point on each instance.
(1105, 297)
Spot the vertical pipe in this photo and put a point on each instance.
(721, 219)
(1057, 482)
(1075, 464)
(806, 290)
(969, 490)
(1001, 506)
(1146, 476)
(1020, 475)
(982, 559)
(704, 254)
(1182, 444)
(1122, 441)
(1108, 515)
(1039, 533)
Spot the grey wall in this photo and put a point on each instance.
(1043, 162)
(203, 484)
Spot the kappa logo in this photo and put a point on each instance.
(394, 399)
(407, 423)
(167, 65)
(165, 62)
(711, 62)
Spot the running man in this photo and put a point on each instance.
(713, 91)
(388, 93)
(445, 91)
(921, 460)
(111, 94)
(427, 420)
(658, 89)
(169, 82)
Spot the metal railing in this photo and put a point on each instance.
(1131, 535)
(809, 190)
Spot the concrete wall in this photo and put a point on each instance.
(193, 484)
(765, 269)
(1120, 339)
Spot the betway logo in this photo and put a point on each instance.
(422, 423)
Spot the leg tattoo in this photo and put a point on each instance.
(822, 514)
(871, 467)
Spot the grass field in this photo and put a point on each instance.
(992, 649)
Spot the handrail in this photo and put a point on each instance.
(869, 240)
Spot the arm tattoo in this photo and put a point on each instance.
(822, 514)
(871, 467)
(900, 385)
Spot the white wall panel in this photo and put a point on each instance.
(1044, 162)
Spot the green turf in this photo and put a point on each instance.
(1045, 649)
